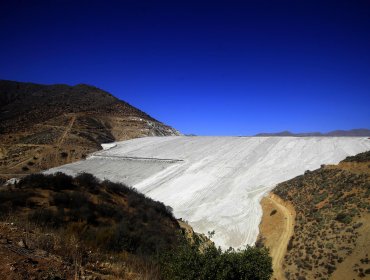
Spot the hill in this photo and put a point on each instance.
(82, 223)
(60, 227)
(42, 126)
(331, 207)
(362, 132)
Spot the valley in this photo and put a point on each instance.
(215, 183)
(303, 196)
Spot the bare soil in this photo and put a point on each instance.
(276, 229)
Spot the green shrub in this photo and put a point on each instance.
(319, 197)
(187, 262)
(88, 181)
(343, 218)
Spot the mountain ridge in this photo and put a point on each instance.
(357, 132)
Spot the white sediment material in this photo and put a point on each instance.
(215, 183)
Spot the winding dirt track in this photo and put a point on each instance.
(64, 135)
(278, 252)
(67, 130)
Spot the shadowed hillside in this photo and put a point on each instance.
(84, 224)
(60, 227)
(43, 126)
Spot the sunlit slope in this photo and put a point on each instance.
(215, 182)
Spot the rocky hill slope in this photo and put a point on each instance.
(332, 221)
(42, 126)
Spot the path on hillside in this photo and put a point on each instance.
(278, 251)
(68, 128)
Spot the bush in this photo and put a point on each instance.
(116, 188)
(187, 262)
(33, 181)
(10, 200)
(57, 181)
(64, 154)
(319, 197)
(88, 181)
(45, 218)
(343, 218)
(72, 200)
(60, 181)
(290, 244)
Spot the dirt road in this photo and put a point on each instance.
(67, 130)
(284, 228)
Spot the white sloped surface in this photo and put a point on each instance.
(215, 183)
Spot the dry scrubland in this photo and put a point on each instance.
(332, 224)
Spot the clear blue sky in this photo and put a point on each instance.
(204, 67)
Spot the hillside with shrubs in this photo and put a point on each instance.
(60, 227)
(331, 230)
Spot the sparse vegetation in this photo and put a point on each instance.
(361, 157)
(328, 202)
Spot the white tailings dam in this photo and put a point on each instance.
(215, 183)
